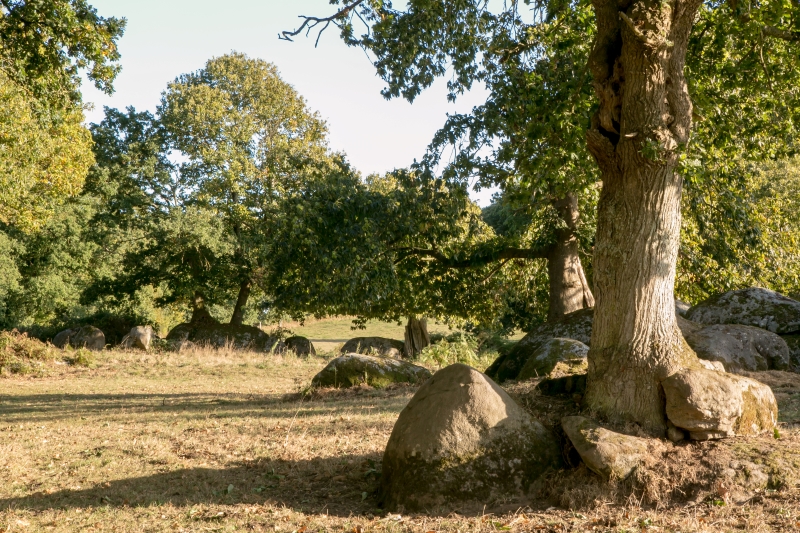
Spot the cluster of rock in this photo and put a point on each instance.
(83, 337)
(750, 329)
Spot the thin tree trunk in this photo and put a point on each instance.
(416, 336)
(569, 289)
(241, 301)
(643, 119)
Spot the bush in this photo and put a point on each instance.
(455, 348)
(20, 354)
(81, 357)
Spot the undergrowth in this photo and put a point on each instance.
(20, 354)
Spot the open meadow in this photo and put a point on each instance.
(223, 440)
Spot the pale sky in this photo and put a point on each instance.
(169, 37)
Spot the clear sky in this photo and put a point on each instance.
(166, 38)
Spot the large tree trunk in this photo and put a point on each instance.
(569, 290)
(200, 314)
(416, 336)
(643, 120)
(241, 302)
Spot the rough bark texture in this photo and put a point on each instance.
(644, 117)
(416, 337)
(569, 289)
(241, 302)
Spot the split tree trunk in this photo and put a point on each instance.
(241, 301)
(569, 289)
(416, 337)
(643, 119)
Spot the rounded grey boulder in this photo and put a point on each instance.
(354, 369)
(462, 439)
(139, 337)
(740, 347)
(301, 346)
(755, 306)
(61, 340)
(88, 337)
(549, 354)
(375, 346)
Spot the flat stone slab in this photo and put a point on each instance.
(605, 452)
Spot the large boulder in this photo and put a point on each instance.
(354, 369)
(61, 340)
(793, 343)
(462, 439)
(301, 346)
(740, 347)
(139, 337)
(605, 452)
(757, 307)
(713, 405)
(576, 326)
(681, 308)
(549, 354)
(88, 337)
(218, 335)
(375, 346)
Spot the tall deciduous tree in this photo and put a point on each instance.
(640, 130)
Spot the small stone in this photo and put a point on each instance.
(712, 405)
(605, 452)
(675, 435)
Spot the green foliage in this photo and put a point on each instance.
(445, 353)
(20, 354)
(80, 357)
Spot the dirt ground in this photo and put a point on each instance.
(228, 441)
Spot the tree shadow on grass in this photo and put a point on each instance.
(341, 486)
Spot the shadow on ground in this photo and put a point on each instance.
(305, 486)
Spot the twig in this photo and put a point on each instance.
(309, 23)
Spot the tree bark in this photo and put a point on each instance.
(241, 302)
(643, 120)
(569, 289)
(416, 336)
(200, 314)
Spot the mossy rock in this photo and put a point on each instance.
(576, 326)
(301, 346)
(375, 346)
(793, 343)
(755, 306)
(462, 441)
(354, 369)
(222, 335)
(740, 347)
(552, 352)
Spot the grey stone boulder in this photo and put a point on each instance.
(713, 405)
(375, 346)
(354, 369)
(139, 337)
(61, 340)
(460, 440)
(88, 337)
(740, 347)
(757, 307)
(545, 358)
(577, 326)
(605, 452)
(301, 346)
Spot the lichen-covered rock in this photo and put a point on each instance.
(688, 327)
(713, 405)
(462, 439)
(354, 369)
(757, 307)
(793, 343)
(61, 340)
(139, 337)
(219, 335)
(740, 347)
(605, 452)
(88, 337)
(577, 326)
(375, 346)
(301, 346)
(544, 359)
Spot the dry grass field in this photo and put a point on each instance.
(227, 441)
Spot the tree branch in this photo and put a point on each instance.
(772, 31)
(309, 23)
(479, 259)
